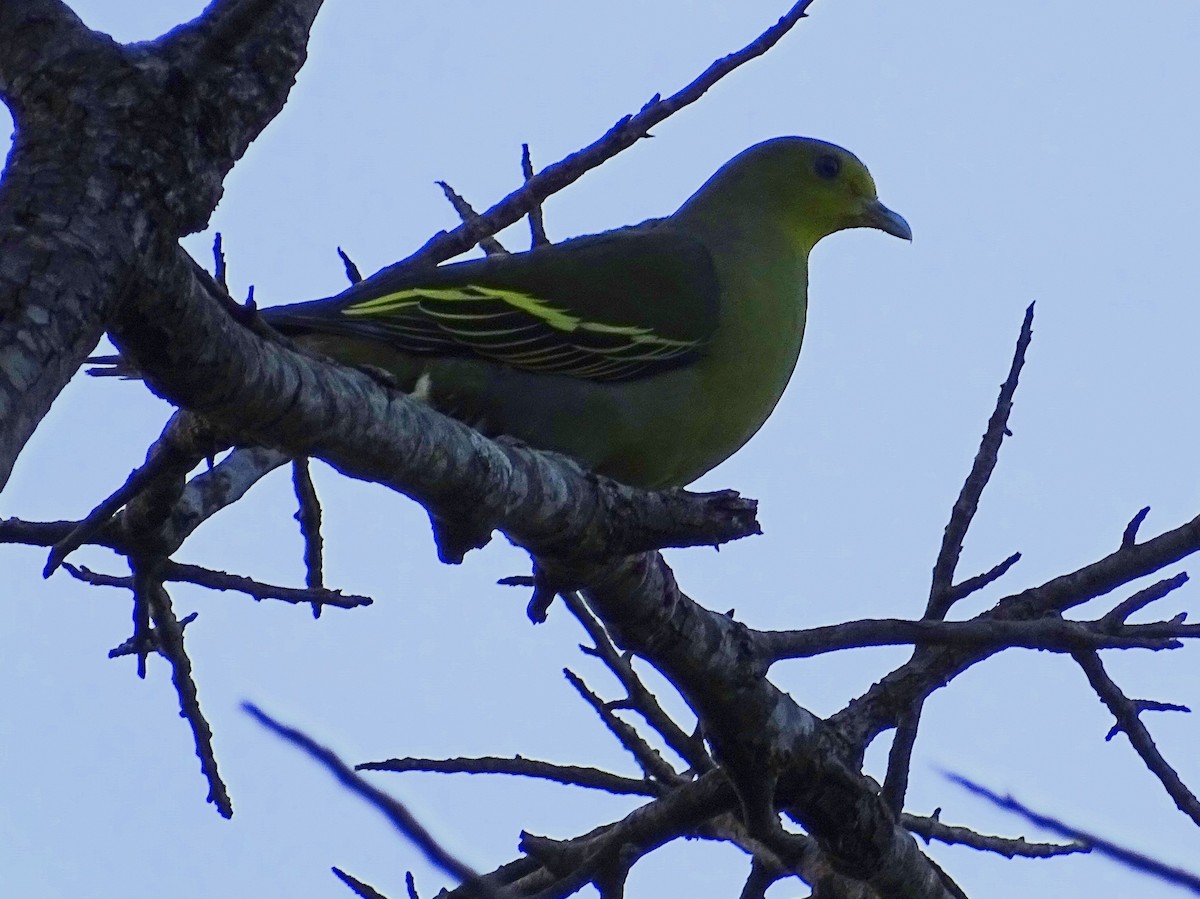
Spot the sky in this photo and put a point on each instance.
(1042, 152)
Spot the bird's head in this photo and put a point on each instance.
(812, 187)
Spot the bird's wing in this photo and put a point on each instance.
(612, 307)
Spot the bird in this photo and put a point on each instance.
(650, 353)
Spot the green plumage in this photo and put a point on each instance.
(650, 353)
(610, 307)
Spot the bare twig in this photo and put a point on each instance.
(1052, 634)
(1131, 530)
(646, 755)
(690, 748)
(942, 593)
(977, 583)
(141, 640)
(220, 580)
(1143, 598)
(130, 647)
(309, 516)
(537, 226)
(626, 132)
(933, 667)
(518, 766)
(467, 213)
(182, 444)
(353, 275)
(1011, 847)
(940, 596)
(364, 890)
(169, 635)
(391, 808)
(1134, 860)
(1126, 711)
(219, 263)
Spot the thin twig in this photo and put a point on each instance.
(646, 755)
(967, 503)
(395, 811)
(309, 516)
(1011, 847)
(179, 572)
(172, 455)
(130, 646)
(353, 275)
(979, 581)
(689, 748)
(169, 635)
(219, 263)
(941, 590)
(626, 132)
(1129, 538)
(1143, 598)
(537, 225)
(364, 890)
(1125, 711)
(1134, 860)
(518, 766)
(1052, 634)
(467, 213)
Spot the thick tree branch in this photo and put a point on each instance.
(267, 394)
(759, 734)
(116, 149)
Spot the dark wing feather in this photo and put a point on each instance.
(612, 307)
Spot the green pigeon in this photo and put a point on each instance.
(649, 354)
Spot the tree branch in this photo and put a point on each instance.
(392, 809)
(1126, 713)
(626, 132)
(519, 766)
(932, 829)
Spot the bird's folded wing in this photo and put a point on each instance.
(612, 307)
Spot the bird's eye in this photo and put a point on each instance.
(828, 166)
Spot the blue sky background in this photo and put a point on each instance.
(1040, 153)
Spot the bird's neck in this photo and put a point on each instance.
(726, 205)
(763, 270)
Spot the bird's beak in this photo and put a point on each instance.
(876, 215)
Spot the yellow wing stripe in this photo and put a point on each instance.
(405, 300)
